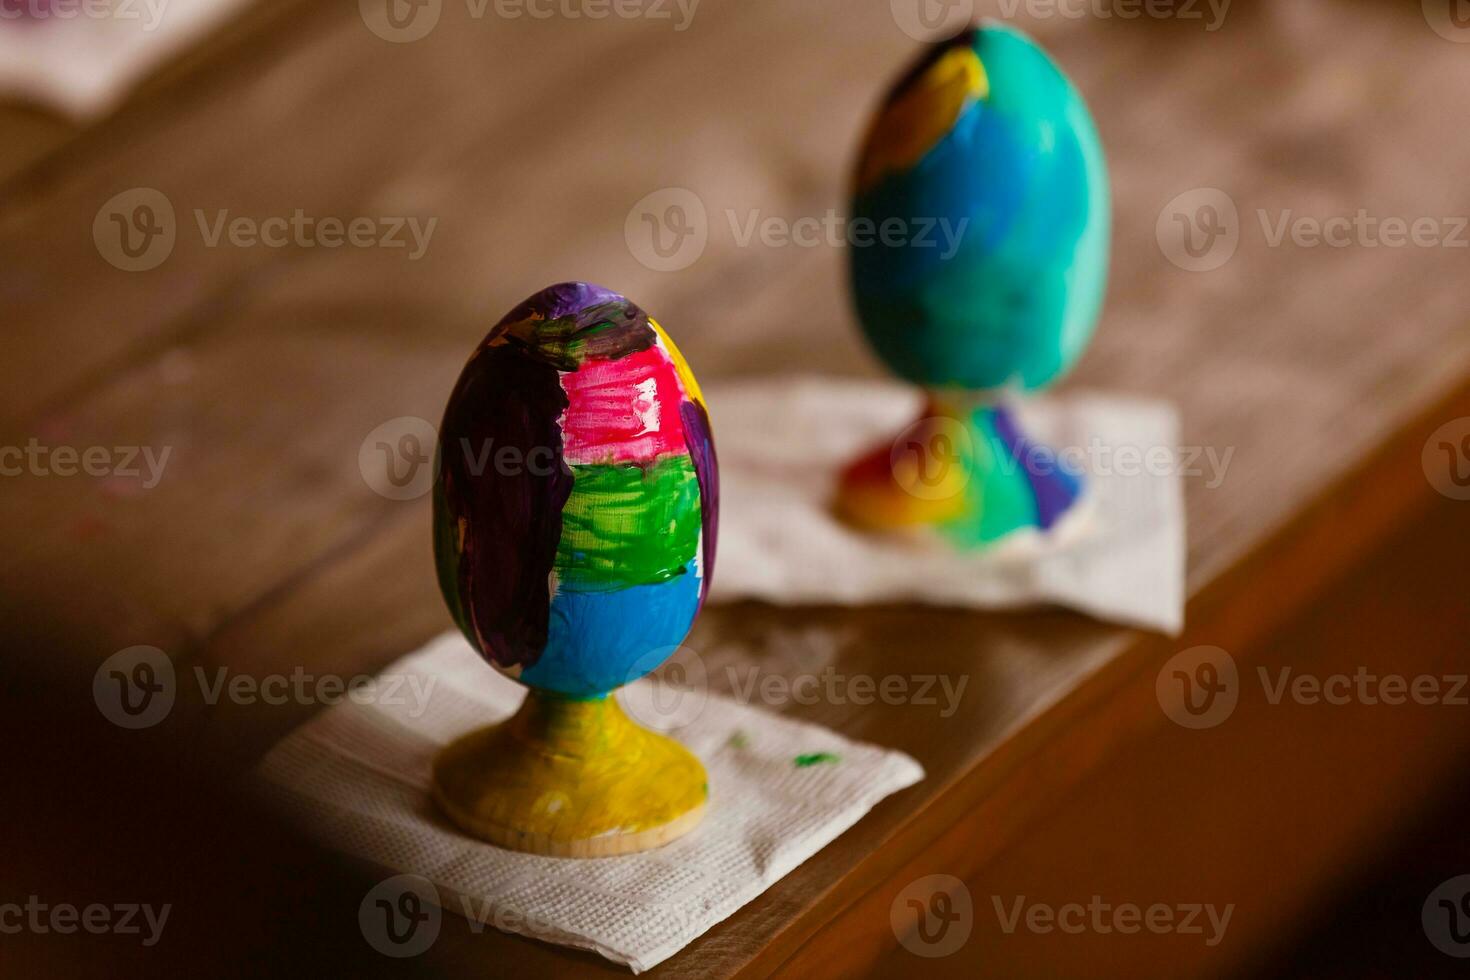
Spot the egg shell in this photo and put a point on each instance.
(577, 494)
(982, 194)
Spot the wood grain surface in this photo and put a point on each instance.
(528, 142)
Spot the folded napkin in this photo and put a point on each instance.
(357, 776)
(783, 441)
(81, 57)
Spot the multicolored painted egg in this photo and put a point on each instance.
(984, 193)
(577, 495)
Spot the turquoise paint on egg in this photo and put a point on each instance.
(1010, 296)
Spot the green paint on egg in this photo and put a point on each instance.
(629, 524)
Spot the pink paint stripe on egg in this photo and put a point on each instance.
(623, 410)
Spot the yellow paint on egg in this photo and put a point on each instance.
(681, 366)
(919, 116)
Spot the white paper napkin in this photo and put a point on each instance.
(783, 441)
(80, 56)
(358, 777)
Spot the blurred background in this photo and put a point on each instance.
(1289, 268)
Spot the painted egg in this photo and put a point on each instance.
(577, 495)
(981, 216)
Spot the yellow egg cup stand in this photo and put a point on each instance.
(570, 778)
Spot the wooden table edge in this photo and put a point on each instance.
(1242, 605)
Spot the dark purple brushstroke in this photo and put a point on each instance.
(552, 327)
(497, 588)
(701, 443)
(562, 299)
(1053, 486)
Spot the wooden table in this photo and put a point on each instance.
(1324, 369)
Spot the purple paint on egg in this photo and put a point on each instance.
(701, 444)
